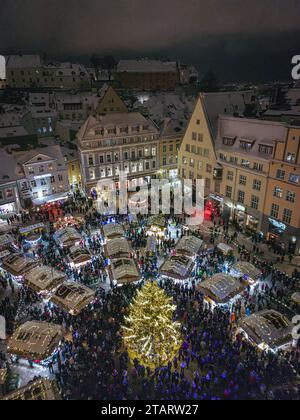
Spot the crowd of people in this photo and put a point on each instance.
(214, 362)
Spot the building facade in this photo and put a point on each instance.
(147, 75)
(45, 175)
(171, 136)
(115, 142)
(281, 212)
(245, 150)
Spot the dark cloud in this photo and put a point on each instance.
(230, 28)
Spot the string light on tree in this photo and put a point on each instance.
(150, 334)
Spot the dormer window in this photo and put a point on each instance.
(246, 145)
(229, 141)
(267, 150)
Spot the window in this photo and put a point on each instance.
(230, 176)
(257, 185)
(267, 150)
(101, 159)
(278, 192)
(164, 149)
(52, 179)
(245, 163)
(198, 122)
(243, 180)
(1, 195)
(228, 141)
(206, 153)
(60, 177)
(254, 202)
(187, 148)
(275, 211)
(200, 166)
(223, 157)
(92, 173)
(200, 138)
(241, 197)
(194, 136)
(154, 150)
(294, 178)
(31, 171)
(9, 193)
(246, 145)
(291, 196)
(43, 182)
(208, 169)
(192, 163)
(228, 192)
(287, 216)
(41, 169)
(91, 160)
(291, 157)
(164, 162)
(258, 167)
(233, 160)
(280, 174)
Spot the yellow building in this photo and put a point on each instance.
(282, 217)
(73, 164)
(110, 102)
(245, 150)
(197, 157)
(171, 136)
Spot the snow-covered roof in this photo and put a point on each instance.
(221, 288)
(23, 61)
(118, 247)
(73, 297)
(189, 245)
(125, 270)
(44, 278)
(177, 266)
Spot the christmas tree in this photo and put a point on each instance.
(150, 334)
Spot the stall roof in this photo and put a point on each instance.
(221, 288)
(35, 340)
(118, 247)
(113, 230)
(226, 249)
(41, 389)
(44, 278)
(6, 240)
(189, 245)
(27, 229)
(157, 220)
(268, 327)
(296, 298)
(178, 267)
(79, 255)
(125, 270)
(73, 297)
(18, 265)
(67, 236)
(247, 269)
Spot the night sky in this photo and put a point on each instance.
(239, 39)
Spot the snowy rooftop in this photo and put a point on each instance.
(146, 66)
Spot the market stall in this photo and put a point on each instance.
(17, 265)
(118, 248)
(67, 237)
(189, 246)
(221, 289)
(125, 270)
(225, 249)
(35, 340)
(6, 241)
(112, 231)
(178, 267)
(247, 271)
(268, 330)
(41, 389)
(73, 297)
(32, 233)
(156, 226)
(44, 279)
(79, 256)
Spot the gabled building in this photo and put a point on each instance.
(197, 157)
(110, 101)
(46, 174)
(10, 174)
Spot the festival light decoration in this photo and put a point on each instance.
(150, 334)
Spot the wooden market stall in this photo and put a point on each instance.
(17, 265)
(221, 288)
(35, 340)
(189, 246)
(41, 389)
(125, 270)
(118, 248)
(73, 297)
(44, 279)
(247, 271)
(67, 237)
(78, 256)
(112, 231)
(268, 329)
(178, 267)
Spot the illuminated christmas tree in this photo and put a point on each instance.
(150, 334)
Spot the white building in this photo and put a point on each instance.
(117, 142)
(46, 174)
